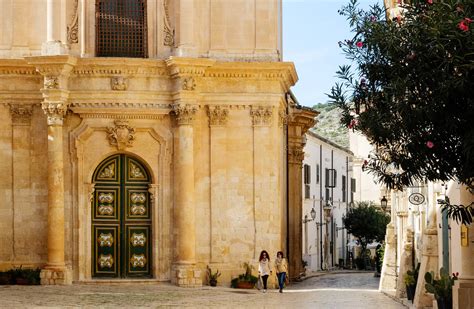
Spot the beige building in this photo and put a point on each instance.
(146, 139)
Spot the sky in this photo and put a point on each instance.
(311, 30)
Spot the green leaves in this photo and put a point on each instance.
(409, 88)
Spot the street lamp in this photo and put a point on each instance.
(383, 203)
(313, 213)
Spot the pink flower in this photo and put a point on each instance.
(468, 20)
(429, 1)
(352, 124)
(359, 44)
(429, 144)
(463, 26)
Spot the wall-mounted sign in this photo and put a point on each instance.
(416, 198)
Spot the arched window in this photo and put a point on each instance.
(121, 29)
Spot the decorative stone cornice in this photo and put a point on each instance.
(17, 67)
(55, 112)
(185, 67)
(21, 114)
(121, 135)
(108, 67)
(217, 115)
(58, 66)
(184, 113)
(261, 115)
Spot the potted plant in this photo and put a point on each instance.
(245, 280)
(212, 277)
(410, 279)
(442, 288)
(25, 276)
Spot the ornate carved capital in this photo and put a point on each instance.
(55, 112)
(261, 115)
(184, 113)
(119, 83)
(189, 83)
(122, 135)
(295, 155)
(282, 118)
(21, 114)
(217, 115)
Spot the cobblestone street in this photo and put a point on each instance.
(355, 290)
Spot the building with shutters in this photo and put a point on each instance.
(144, 140)
(328, 191)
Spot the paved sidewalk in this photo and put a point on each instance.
(163, 295)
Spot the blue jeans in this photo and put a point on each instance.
(281, 279)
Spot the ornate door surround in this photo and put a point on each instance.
(121, 219)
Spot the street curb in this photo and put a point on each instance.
(398, 300)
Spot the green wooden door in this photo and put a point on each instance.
(121, 219)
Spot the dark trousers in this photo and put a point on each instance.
(264, 279)
(281, 279)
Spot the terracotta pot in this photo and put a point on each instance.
(213, 282)
(245, 285)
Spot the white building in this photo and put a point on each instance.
(328, 190)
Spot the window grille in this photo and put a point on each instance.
(121, 29)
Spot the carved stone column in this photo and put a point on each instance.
(56, 70)
(184, 211)
(299, 121)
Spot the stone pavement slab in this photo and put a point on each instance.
(163, 295)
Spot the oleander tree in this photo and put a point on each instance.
(410, 91)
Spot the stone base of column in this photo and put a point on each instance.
(186, 276)
(463, 293)
(388, 277)
(54, 48)
(56, 276)
(429, 262)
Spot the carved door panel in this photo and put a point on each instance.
(121, 219)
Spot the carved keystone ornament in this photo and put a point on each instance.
(122, 135)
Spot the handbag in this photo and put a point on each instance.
(259, 283)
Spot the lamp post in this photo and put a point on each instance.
(383, 203)
(327, 215)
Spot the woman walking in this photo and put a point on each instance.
(264, 269)
(281, 269)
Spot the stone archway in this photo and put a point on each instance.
(121, 219)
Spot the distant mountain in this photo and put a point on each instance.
(329, 126)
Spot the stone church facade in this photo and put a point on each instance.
(145, 140)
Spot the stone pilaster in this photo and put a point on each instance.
(21, 138)
(388, 278)
(299, 121)
(218, 116)
(55, 70)
(429, 262)
(184, 271)
(406, 263)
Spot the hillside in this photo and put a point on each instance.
(328, 125)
